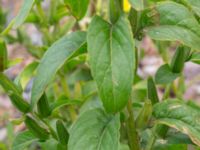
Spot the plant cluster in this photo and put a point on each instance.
(86, 92)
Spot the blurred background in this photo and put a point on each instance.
(20, 57)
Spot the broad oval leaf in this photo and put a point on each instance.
(55, 57)
(23, 140)
(112, 60)
(21, 16)
(177, 114)
(178, 24)
(95, 130)
(165, 75)
(78, 7)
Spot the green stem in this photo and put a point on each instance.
(167, 91)
(72, 111)
(131, 128)
(41, 14)
(160, 130)
(53, 133)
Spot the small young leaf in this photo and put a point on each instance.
(61, 102)
(56, 56)
(151, 91)
(43, 106)
(22, 140)
(115, 10)
(3, 55)
(164, 75)
(177, 114)
(62, 132)
(179, 59)
(95, 130)
(144, 115)
(24, 77)
(112, 61)
(78, 7)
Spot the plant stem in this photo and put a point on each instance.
(167, 91)
(66, 90)
(160, 130)
(53, 133)
(131, 128)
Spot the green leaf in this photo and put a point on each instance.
(62, 133)
(21, 16)
(23, 13)
(195, 5)
(14, 62)
(55, 57)
(63, 102)
(112, 61)
(95, 130)
(3, 55)
(179, 58)
(50, 144)
(175, 33)
(35, 127)
(164, 75)
(115, 10)
(78, 8)
(123, 147)
(43, 107)
(24, 77)
(19, 102)
(144, 115)
(195, 58)
(170, 147)
(176, 25)
(177, 114)
(137, 4)
(23, 140)
(8, 85)
(152, 91)
(178, 138)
